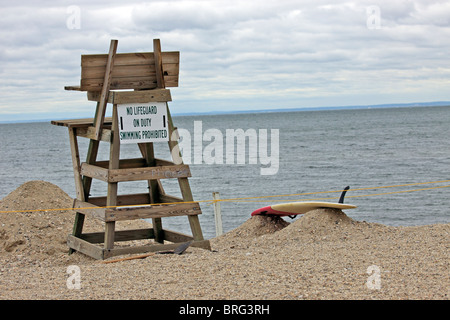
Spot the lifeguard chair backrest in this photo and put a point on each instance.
(130, 71)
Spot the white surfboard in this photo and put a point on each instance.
(294, 208)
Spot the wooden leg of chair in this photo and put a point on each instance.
(109, 234)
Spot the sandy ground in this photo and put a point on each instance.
(322, 255)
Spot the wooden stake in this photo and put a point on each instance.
(217, 214)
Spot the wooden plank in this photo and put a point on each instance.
(98, 253)
(133, 58)
(93, 237)
(68, 122)
(158, 64)
(134, 174)
(128, 83)
(123, 200)
(149, 155)
(124, 163)
(101, 108)
(155, 95)
(76, 164)
(119, 71)
(91, 157)
(152, 211)
(79, 123)
(165, 198)
(89, 132)
(150, 161)
(85, 247)
(127, 71)
(139, 162)
(95, 172)
(204, 244)
(173, 236)
(134, 199)
(153, 248)
(135, 163)
(111, 199)
(173, 143)
(163, 162)
(158, 229)
(143, 96)
(149, 173)
(122, 235)
(72, 88)
(140, 249)
(194, 222)
(79, 187)
(90, 209)
(131, 71)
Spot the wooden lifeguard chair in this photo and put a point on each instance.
(119, 79)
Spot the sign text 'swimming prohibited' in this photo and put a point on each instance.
(143, 122)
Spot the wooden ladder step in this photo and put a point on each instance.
(143, 211)
(135, 174)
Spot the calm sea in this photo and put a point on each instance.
(318, 151)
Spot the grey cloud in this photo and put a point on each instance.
(299, 52)
(186, 15)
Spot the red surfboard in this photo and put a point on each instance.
(269, 211)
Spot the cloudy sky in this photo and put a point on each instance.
(235, 55)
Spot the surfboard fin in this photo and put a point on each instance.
(341, 199)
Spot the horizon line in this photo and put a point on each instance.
(297, 109)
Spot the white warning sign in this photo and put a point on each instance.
(143, 122)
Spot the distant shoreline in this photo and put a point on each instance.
(207, 113)
(356, 107)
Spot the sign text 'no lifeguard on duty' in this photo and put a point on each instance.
(143, 122)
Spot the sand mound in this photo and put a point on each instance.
(324, 218)
(254, 227)
(273, 230)
(35, 234)
(324, 225)
(40, 234)
(35, 195)
(259, 225)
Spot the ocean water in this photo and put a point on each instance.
(318, 151)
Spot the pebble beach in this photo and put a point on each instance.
(323, 255)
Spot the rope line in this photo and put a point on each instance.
(331, 191)
(355, 196)
(252, 199)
